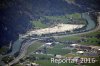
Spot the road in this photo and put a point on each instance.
(22, 53)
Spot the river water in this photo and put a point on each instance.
(91, 24)
(16, 46)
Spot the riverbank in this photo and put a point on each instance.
(98, 19)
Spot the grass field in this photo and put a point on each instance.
(57, 49)
(92, 34)
(48, 63)
(92, 38)
(38, 24)
(71, 38)
(45, 60)
(74, 16)
(33, 47)
(46, 21)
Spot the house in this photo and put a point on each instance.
(48, 44)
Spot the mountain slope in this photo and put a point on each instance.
(15, 15)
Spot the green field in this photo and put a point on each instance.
(70, 38)
(92, 34)
(57, 49)
(34, 46)
(47, 21)
(48, 63)
(92, 38)
(45, 60)
(38, 24)
(74, 16)
(91, 41)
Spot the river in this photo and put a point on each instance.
(91, 25)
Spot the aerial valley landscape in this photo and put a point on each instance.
(50, 33)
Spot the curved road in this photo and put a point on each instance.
(22, 53)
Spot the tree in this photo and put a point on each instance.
(7, 59)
